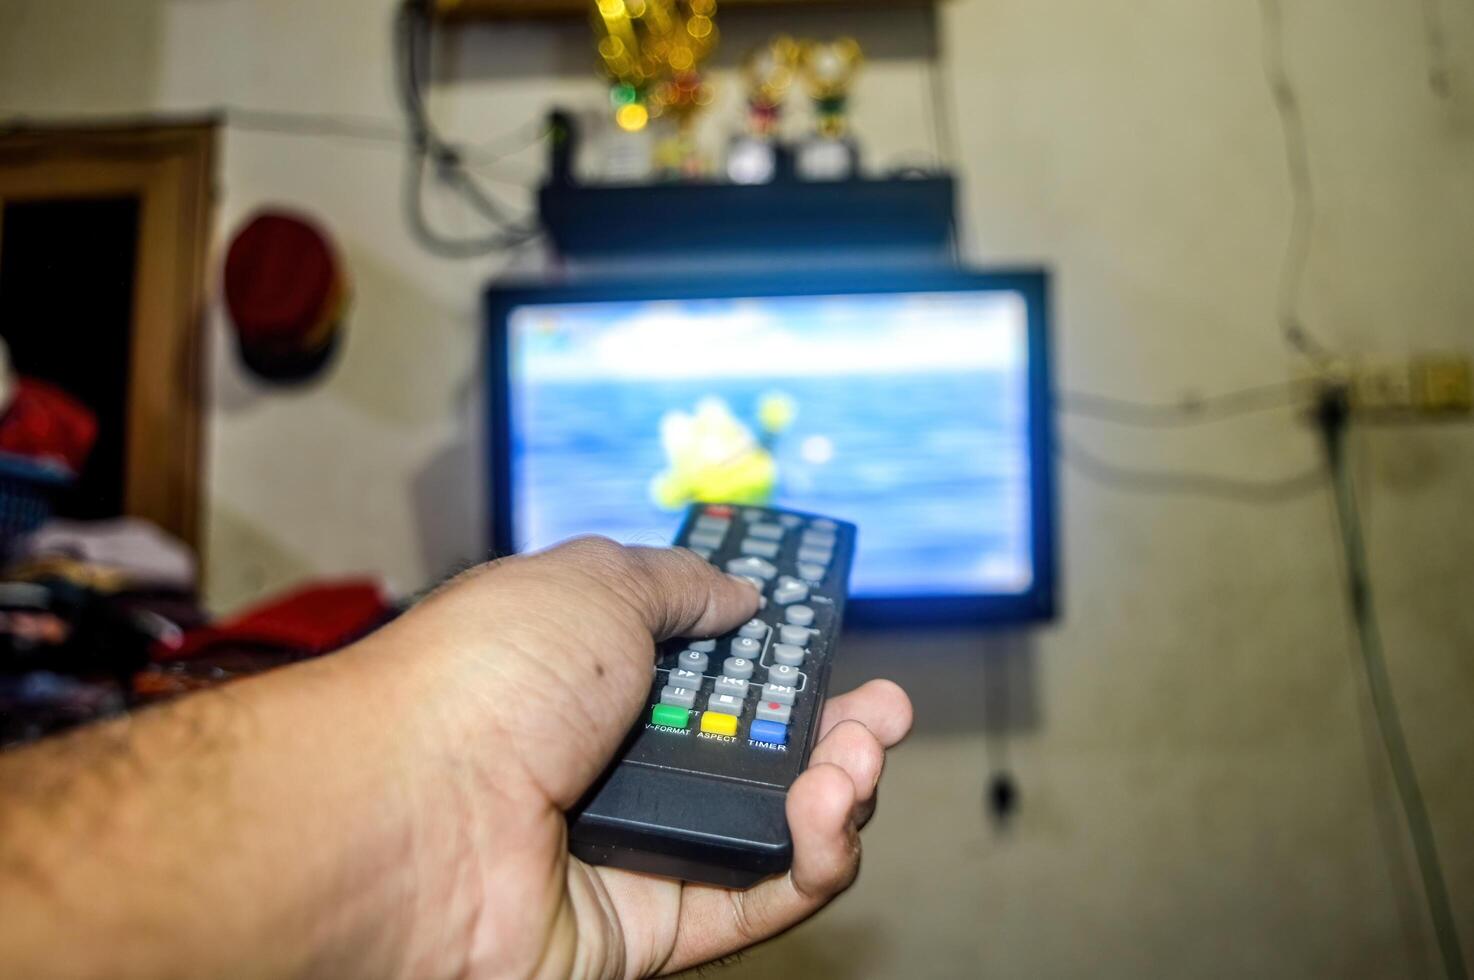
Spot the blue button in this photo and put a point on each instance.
(768, 731)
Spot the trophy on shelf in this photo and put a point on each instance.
(652, 51)
(828, 70)
(756, 156)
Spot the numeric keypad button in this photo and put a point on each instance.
(738, 667)
(746, 646)
(753, 629)
(784, 674)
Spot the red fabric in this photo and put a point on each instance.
(282, 281)
(312, 620)
(45, 422)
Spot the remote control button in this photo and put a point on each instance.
(753, 629)
(707, 522)
(799, 615)
(705, 539)
(782, 693)
(718, 724)
(762, 549)
(755, 514)
(790, 521)
(718, 510)
(735, 686)
(768, 731)
(724, 704)
(787, 653)
(681, 697)
(766, 530)
(692, 660)
(818, 539)
(789, 590)
(753, 566)
(795, 635)
(811, 572)
(773, 711)
(783, 674)
(821, 523)
(815, 556)
(702, 646)
(703, 553)
(681, 677)
(744, 646)
(737, 667)
(670, 716)
(758, 584)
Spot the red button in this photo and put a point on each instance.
(774, 704)
(719, 510)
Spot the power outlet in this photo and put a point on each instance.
(1421, 385)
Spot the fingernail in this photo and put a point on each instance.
(739, 578)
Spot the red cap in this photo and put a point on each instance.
(285, 292)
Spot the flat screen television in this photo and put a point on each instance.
(915, 404)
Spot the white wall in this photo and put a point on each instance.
(1201, 794)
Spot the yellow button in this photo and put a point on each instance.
(718, 723)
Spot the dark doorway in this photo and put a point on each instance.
(67, 271)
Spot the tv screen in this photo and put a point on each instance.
(912, 413)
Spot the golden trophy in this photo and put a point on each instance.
(754, 157)
(652, 50)
(828, 70)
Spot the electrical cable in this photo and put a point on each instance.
(1302, 190)
(1186, 483)
(944, 130)
(1333, 414)
(428, 149)
(1436, 38)
(313, 124)
(1190, 410)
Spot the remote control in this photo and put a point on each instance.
(697, 791)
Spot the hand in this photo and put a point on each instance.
(397, 809)
(545, 662)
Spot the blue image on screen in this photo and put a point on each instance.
(904, 413)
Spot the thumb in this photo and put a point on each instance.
(677, 593)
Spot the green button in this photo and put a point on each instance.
(670, 716)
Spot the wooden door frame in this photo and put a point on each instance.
(170, 168)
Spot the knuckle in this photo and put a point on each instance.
(595, 547)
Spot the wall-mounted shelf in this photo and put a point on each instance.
(546, 9)
(913, 215)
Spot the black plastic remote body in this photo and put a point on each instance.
(697, 792)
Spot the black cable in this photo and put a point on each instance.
(313, 124)
(1434, 35)
(1333, 414)
(1190, 410)
(1302, 190)
(428, 150)
(370, 129)
(435, 242)
(1187, 483)
(944, 130)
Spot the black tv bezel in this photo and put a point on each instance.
(1038, 603)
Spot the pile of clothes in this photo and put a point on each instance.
(99, 617)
